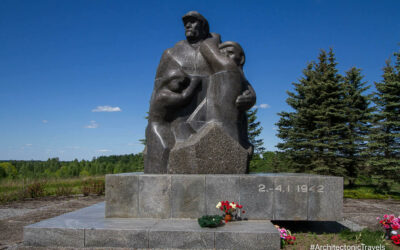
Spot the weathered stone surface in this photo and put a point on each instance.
(264, 196)
(219, 188)
(97, 237)
(242, 235)
(325, 199)
(180, 234)
(210, 151)
(188, 196)
(155, 196)
(58, 237)
(290, 197)
(122, 195)
(91, 229)
(255, 190)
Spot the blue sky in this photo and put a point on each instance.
(60, 61)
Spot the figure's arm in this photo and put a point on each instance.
(189, 91)
(218, 61)
(247, 99)
(166, 97)
(167, 64)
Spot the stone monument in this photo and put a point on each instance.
(197, 118)
(197, 154)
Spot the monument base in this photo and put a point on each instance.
(280, 196)
(87, 227)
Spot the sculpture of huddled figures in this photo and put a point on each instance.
(199, 81)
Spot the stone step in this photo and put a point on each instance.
(88, 227)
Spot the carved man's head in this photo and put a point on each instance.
(196, 26)
(234, 51)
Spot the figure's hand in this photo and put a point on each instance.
(215, 39)
(195, 80)
(245, 101)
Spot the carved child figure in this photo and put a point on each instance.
(227, 87)
(170, 92)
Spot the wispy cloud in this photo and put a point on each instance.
(106, 109)
(103, 150)
(93, 124)
(262, 106)
(45, 121)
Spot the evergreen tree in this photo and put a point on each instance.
(312, 133)
(385, 137)
(358, 119)
(254, 131)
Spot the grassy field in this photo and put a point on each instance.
(12, 190)
(368, 191)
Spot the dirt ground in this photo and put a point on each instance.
(14, 216)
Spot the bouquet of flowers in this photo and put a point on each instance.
(286, 236)
(391, 224)
(230, 209)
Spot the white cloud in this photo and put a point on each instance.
(264, 106)
(93, 124)
(45, 121)
(106, 109)
(103, 150)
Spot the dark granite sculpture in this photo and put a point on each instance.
(197, 119)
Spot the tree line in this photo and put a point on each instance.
(53, 167)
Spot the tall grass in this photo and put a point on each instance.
(12, 190)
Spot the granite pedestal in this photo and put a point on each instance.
(264, 196)
(87, 227)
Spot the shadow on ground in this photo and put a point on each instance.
(317, 227)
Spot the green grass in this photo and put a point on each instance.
(13, 190)
(367, 237)
(369, 192)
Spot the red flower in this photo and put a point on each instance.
(395, 227)
(396, 239)
(239, 206)
(243, 211)
(290, 239)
